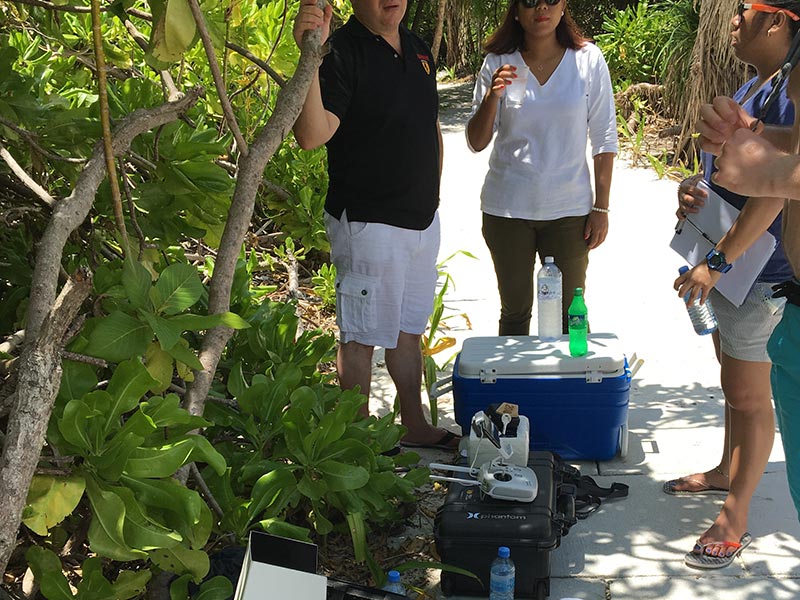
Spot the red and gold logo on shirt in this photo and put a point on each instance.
(423, 60)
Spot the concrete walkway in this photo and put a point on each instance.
(631, 548)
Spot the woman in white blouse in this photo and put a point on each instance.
(537, 197)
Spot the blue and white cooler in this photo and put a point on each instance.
(577, 406)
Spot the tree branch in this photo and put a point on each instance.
(105, 122)
(173, 93)
(216, 74)
(72, 210)
(126, 186)
(251, 170)
(257, 61)
(12, 342)
(31, 139)
(41, 193)
(39, 377)
(206, 491)
(83, 358)
(51, 6)
(81, 9)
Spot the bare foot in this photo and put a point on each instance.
(726, 528)
(697, 483)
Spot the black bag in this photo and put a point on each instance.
(469, 527)
(588, 494)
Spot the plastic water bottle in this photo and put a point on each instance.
(393, 584)
(501, 576)
(703, 318)
(578, 320)
(548, 292)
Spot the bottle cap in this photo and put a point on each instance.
(683, 269)
(549, 259)
(394, 576)
(579, 291)
(503, 552)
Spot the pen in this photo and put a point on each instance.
(700, 231)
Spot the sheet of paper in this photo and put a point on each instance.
(704, 229)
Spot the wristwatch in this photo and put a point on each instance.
(716, 261)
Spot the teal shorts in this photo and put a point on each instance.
(784, 351)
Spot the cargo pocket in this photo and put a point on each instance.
(355, 302)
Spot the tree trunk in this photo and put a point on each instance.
(37, 387)
(459, 44)
(418, 15)
(437, 34)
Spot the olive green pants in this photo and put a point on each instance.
(514, 244)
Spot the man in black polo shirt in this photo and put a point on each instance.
(374, 104)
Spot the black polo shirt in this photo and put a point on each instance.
(383, 160)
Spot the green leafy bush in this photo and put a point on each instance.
(300, 456)
(632, 41)
(324, 281)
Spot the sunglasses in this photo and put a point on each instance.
(535, 3)
(765, 8)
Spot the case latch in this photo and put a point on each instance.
(594, 376)
(488, 375)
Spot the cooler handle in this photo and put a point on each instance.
(441, 387)
(632, 367)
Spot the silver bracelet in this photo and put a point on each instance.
(600, 210)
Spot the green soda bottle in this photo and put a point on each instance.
(578, 322)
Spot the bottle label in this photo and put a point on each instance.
(548, 289)
(577, 321)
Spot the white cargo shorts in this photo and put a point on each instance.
(385, 279)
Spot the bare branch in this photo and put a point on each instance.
(251, 170)
(173, 93)
(247, 86)
(41, 193)
(105, 121)
(51, 6)
(72, 210)
(216, 74)
(82, 358)
(228, 166)
(31, 139)
(206, 491)
(257, 61)
(81, 9)
(12, 342)
(140, 161)
(126, 186)
(277, 190)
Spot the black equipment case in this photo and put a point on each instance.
(469, 529)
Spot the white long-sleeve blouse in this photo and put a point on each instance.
(538, 168)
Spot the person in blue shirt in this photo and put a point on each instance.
(761, 36)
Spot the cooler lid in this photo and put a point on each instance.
(527, 355)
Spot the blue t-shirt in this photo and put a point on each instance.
(780, 113)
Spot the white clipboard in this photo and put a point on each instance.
(699, 233)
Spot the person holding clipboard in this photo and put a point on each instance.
(761, 36)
